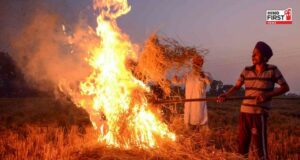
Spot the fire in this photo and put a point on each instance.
(114, 98)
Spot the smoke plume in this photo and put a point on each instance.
(49, 50)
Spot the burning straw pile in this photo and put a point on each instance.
(194, 145)
(161, 57)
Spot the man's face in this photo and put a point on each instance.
(257, 58)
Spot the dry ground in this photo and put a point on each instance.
(44, 128)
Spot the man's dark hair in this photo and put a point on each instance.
(264, 49)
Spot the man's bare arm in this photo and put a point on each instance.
(231, 91)
(278, 91)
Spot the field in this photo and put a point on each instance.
(45, 128)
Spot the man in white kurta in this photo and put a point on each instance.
(196, 82)
(195, 113)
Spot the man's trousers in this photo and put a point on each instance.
(253, 127)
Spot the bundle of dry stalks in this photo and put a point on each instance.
(162, 55)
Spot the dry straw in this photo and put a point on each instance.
(160, 57)
(35, 142)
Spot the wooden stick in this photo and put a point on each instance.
(213, 99)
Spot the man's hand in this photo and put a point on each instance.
(222, 98)
(261, 98)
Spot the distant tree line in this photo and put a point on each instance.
(12, 81)
(217, 87)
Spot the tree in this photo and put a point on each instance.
(215, 88)
(12, 81)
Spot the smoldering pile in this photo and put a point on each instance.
(162, 57)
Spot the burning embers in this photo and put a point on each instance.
(114, 98)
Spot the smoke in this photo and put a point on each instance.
(49, 50)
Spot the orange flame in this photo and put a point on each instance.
(116, 99)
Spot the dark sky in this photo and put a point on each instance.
(229, 29)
